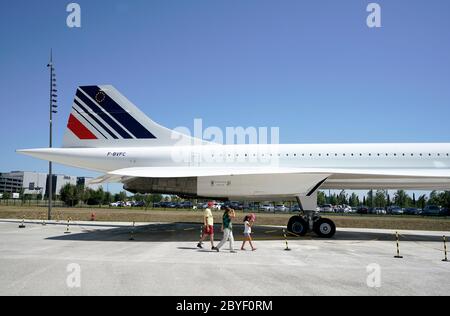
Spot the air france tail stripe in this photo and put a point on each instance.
(105, 117)
(89, 123)
(117, 112)
(95, 119)
(79, 129)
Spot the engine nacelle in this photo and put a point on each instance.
(186, 187)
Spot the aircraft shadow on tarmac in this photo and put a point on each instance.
(182, 232)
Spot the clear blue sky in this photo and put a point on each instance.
(313, 68)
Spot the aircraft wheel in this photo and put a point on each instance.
(325, 228)
(298, 226)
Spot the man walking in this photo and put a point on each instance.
(208, 226)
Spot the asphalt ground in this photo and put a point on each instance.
(162, 259)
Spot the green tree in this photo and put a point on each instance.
(6, 196)
(96, 197)
(108, 198)
(85, 194)
(70, 195)
(150, 199)
(445, 199)
(380, 198)
(354, 200)
(333, 199)
(422, 201)
(342, 198)
(401, 198)
(121, 196)
(156, 198)
(439, 199)
(434, 198)
(321, 198)
(370, 199)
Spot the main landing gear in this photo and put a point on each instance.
(310, 221)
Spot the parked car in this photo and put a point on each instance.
(378, 211)
(347, 209)
(138, 204)
(218, 206)
(411, 211)
(252, 206)
(186, 204)
(249, 207)
(266, 208)
(395, 210)
(281, 208)
(236, 205)
(121, 204)
(362, 210)
(296, 208)
(164, 204)
(431, 210)
(327, 208)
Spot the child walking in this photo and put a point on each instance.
(249, 220)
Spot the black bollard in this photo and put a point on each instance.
(132, 232)
(445, 249)
(68, 227)
(22, 224)
(286, 241)
(398, 247)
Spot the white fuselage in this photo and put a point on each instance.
(410, 159)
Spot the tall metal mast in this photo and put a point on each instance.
(52, 110)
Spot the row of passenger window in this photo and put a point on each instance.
(343, 155)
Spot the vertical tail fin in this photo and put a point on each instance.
(102, 117)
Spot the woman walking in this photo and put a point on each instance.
(227, 228)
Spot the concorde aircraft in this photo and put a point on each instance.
(106, 133)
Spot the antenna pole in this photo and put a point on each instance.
(52, 110)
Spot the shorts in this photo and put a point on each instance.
(247, 235)
(211, 230)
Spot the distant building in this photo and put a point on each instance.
(29, 182)
(60, 180)
(84, 181)
(37, 183)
